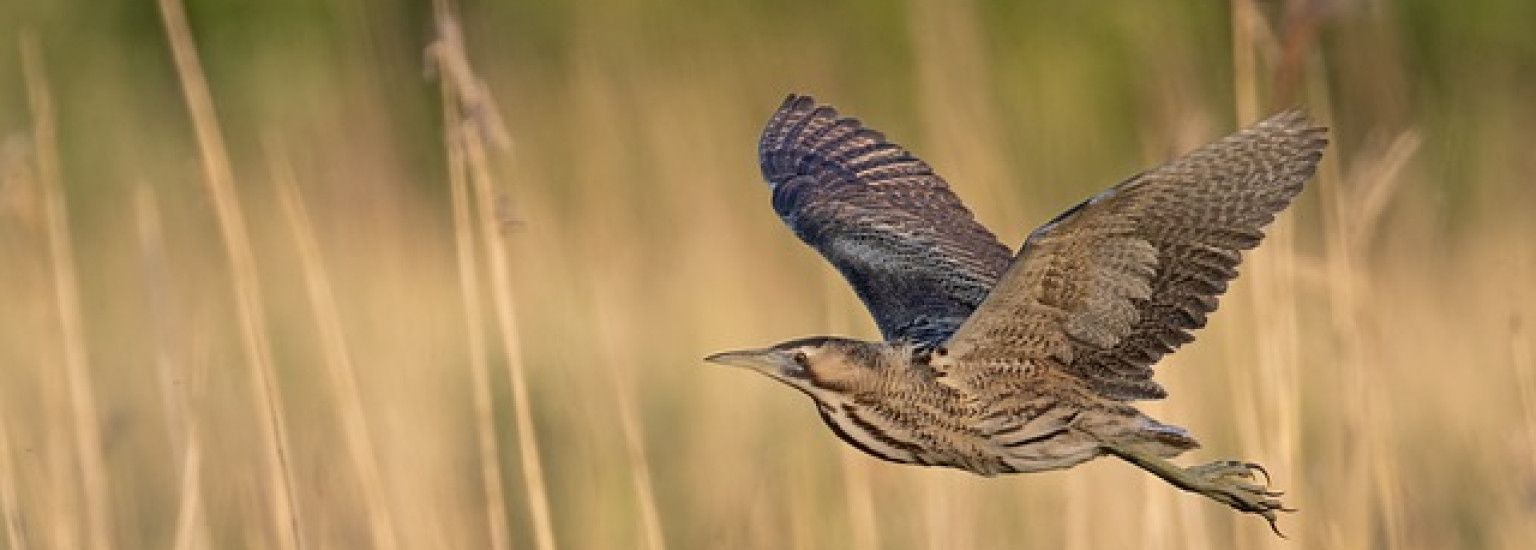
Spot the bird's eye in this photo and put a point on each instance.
(801, 359)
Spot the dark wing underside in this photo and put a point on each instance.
(1107, 288)
(910, 249)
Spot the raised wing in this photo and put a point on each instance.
(1108, 287)
(910, 249)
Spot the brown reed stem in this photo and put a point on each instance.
(338, 358)
(220, 182)
(477, 119)
(506, 323)
(82, 399)
(1353, 206)
(629, 424)
(1245, 70)
(10, 507)
(191, 531)
(474, 329)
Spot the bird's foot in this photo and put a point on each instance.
(1236, 484)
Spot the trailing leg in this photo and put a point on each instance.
(1229, 482)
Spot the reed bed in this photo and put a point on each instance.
(272, 287)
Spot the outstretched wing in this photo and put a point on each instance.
(909, 248)
(1108, 287)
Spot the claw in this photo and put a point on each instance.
(1237, 485)
(1270, 517)
(1260, 489)
(1260, 469)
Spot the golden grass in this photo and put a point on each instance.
(338, 359)
(219, 180)
(190, 529)
(612, 351)
(474, 326)
(477, 117)
(66, 294)
(181, 426)
(15, 524)
(353, 353)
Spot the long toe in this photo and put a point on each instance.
(1230, 469)
(1234, 484)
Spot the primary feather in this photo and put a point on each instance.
(1112, 285)
(912, 252)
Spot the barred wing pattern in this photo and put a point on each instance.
(912, 252)
(1107, 288)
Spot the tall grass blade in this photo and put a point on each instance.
(10, 504)
(338, 359)
(82, 398)
(478, 120)
(175, 380)
(219, 180)
(474, 330)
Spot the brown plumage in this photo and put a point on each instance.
(998, 363)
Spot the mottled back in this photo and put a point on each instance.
(1107, 288)
(912, 252)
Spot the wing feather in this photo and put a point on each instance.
(1106, 289)
(911, 250)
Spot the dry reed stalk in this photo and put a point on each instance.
(1520, 340)
(474, 330)
(861, 503)
(220, 182)
(1302, 18)
(1370, 463)
(1353, 217)
(10, 508)
(1521, 362)
(1157, 531)
(191, 529)
(82, 399)
(1077, 532)
(506, 322)
(1374, 181)
(61, 507)
(1276, 318)
(474, 112)
(1377, 181)
(1245, 71)
(615, 354)
(1350, 525)
(937, 505)
(191, 532)
(174, 402)
(338, 358)
(1193, 521)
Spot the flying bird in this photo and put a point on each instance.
(997, 362)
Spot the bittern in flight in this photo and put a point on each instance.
(996, 362)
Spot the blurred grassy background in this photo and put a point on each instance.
(1376, 354)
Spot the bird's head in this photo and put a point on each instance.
(812, 365)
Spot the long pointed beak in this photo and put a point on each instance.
(749, 358)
